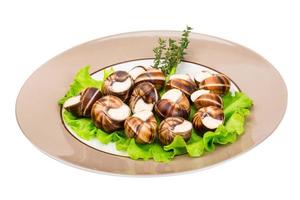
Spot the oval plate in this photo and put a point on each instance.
(38, 113)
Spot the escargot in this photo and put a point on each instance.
(208, 119)
(136, 71)
(142, 126)
(81, 105)
(217, 83)
(173, 104)
(118, 84)
(182, 82)
(143, 97)
(172, 126)
(109, 113)
(200, 76)
(204, 98)
(154, 76)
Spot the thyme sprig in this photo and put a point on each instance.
(168, 54)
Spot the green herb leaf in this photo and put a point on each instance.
(172, 54)
(158, 51)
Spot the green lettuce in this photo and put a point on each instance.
(234, 102)
(83, 127)
(237, 120)
(192, 112)
(83, 80)
(220, 136)
(236, 109)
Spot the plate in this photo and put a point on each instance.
(39, 115)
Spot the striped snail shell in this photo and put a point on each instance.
(173, 104)
(109, 113)
(208, 119)
(154, 76)
(204, 98)
(142, 126)
(182, 82)
(143, 97)
(218, 83)
(118, 84)
(81, 105)
(136, 71)
(200, 76)
(172, 126)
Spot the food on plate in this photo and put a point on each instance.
(81, 105)
(143, 97)
(154, 76)
(204, 98)
(208, 119)
(118, 84)
(173, 126)
(182, 82)
(142, 126)
(154, 111)
(217, 83)
(109, 113)
(201, 75)
(173, 103)
(136, 71)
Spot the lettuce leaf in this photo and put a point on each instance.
(237, 121)
(194, 147)
(83, 127)
(234, 102)
(139, 151)
(83, 80)
(159, 154)
(227, 133)
(107, 73)
(192, 112)
(220, 136)
(178, 146)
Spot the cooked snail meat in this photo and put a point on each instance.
(109, 113)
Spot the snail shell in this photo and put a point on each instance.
(154, 76)
(109, 113)
(172, 126)
(118, 84)
(143, 97)
(204, 98)
(142, 126)
(81, 105)
(136, 71)
(199, 77)
(207, 119)
(183, 82)
(173, 104)
(218, 83)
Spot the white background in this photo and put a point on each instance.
(31, 32)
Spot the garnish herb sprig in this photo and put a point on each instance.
(168, 54)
